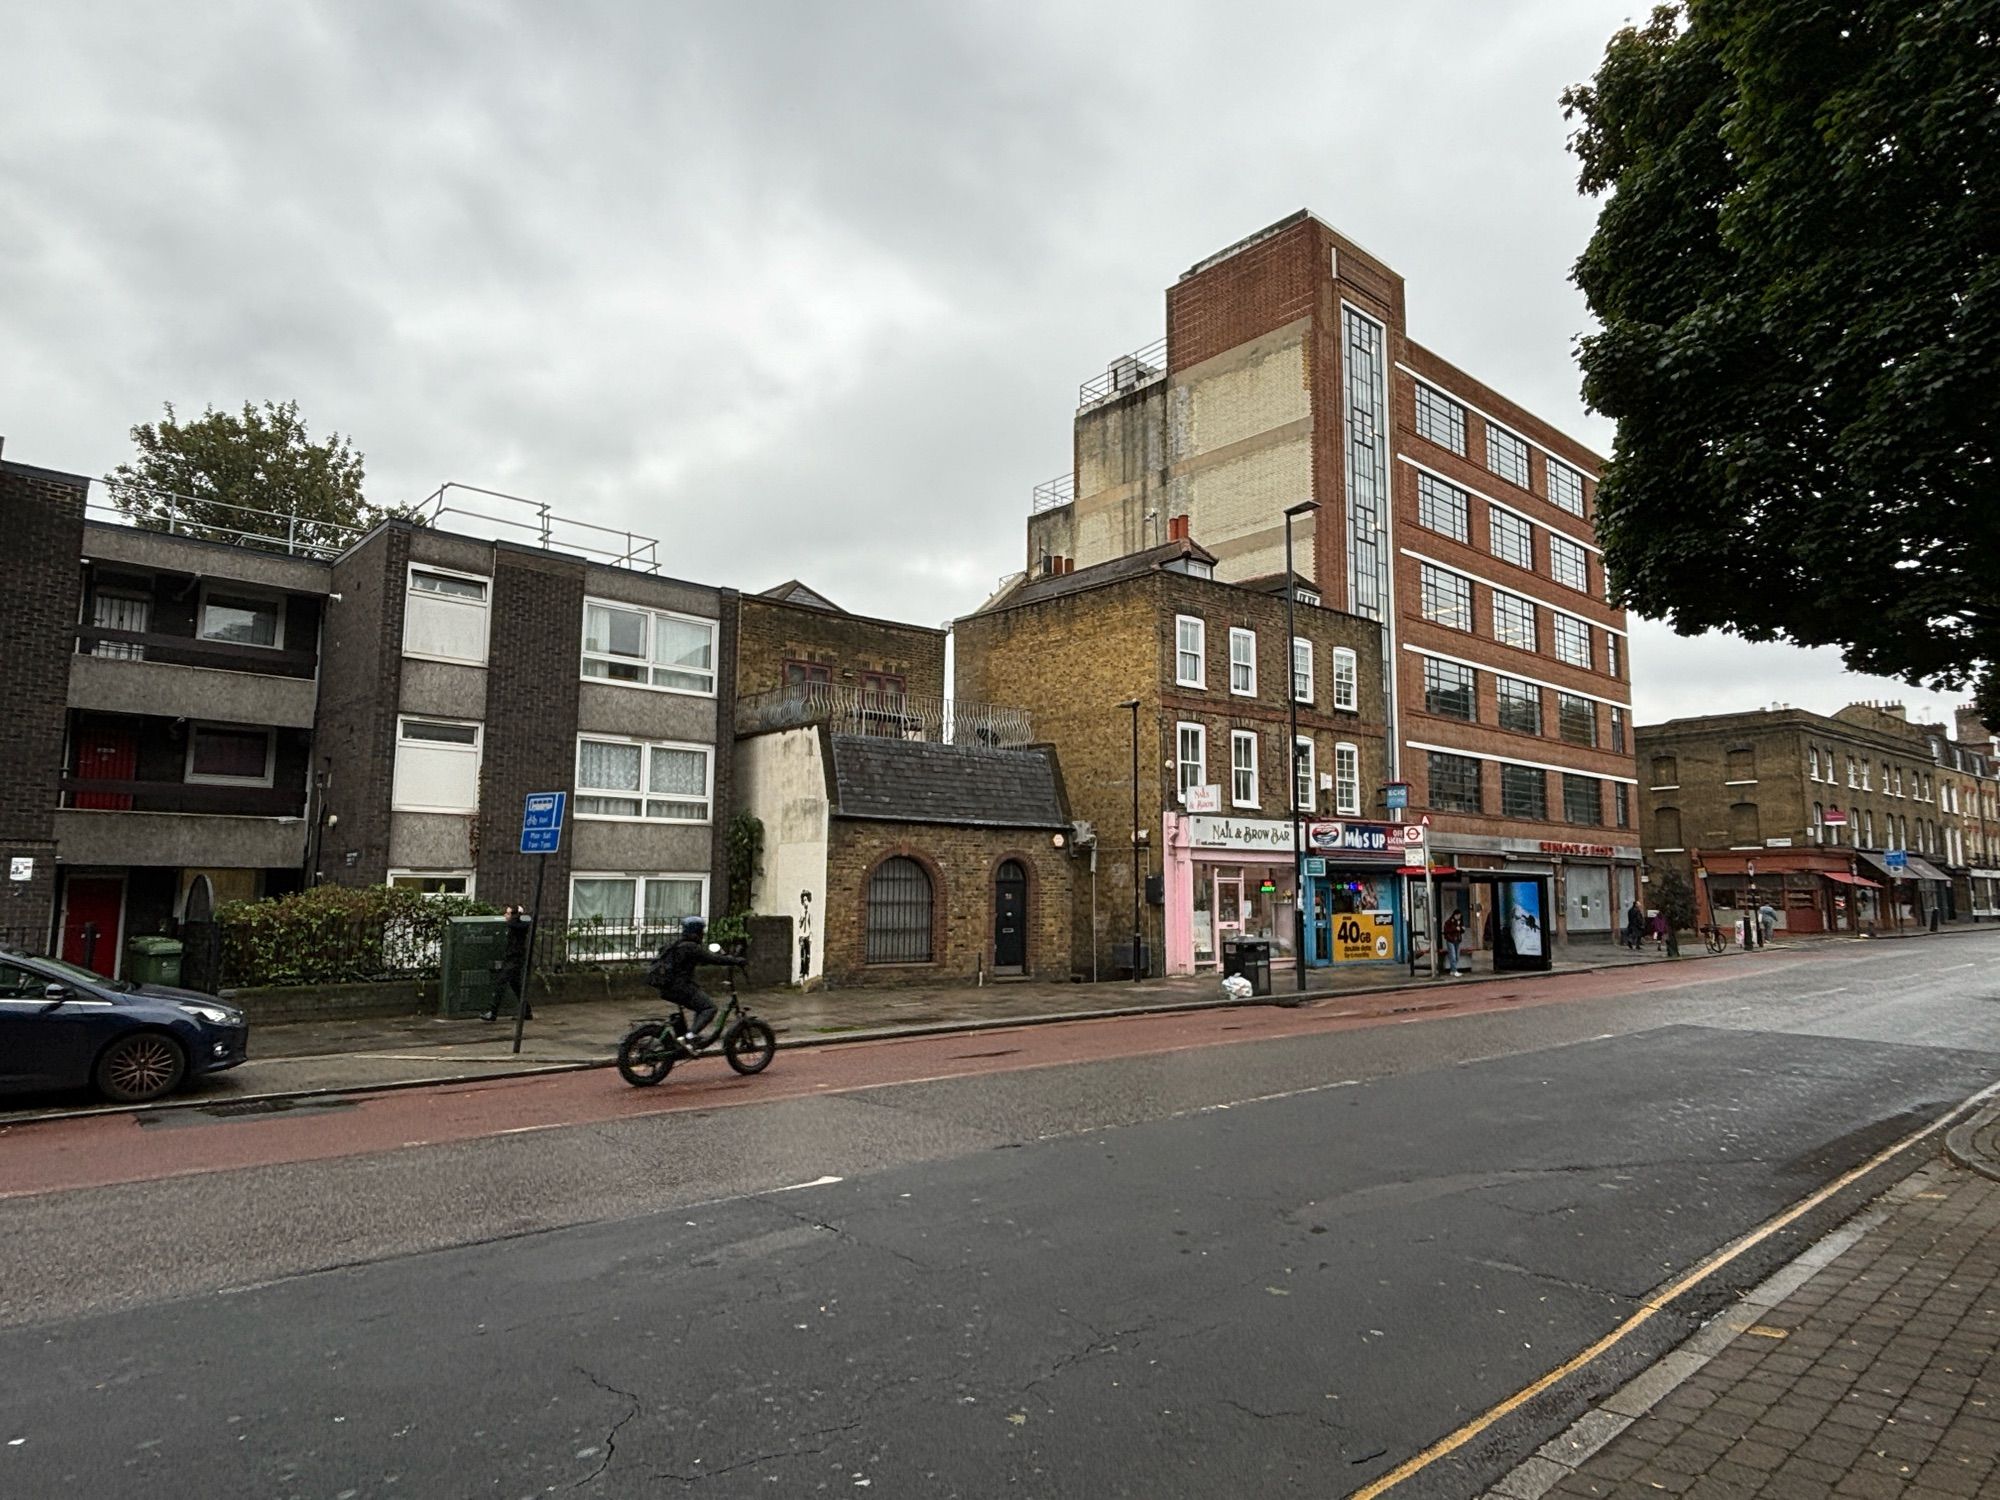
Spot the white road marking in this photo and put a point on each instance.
(816, 1182)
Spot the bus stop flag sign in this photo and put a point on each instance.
(542, 822)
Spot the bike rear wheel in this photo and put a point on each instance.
(751, 1046)
(646, 1055)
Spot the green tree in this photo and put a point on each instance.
(221, 476)
(1673, 898)
(1794, 269)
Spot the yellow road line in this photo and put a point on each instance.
(1655, 1304)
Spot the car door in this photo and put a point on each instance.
(45, 1048)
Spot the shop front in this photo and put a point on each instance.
(1354, 894)
(1230, 878)
(1808, 890)
(1225, 878)
(1984, 893)
(1518, 895)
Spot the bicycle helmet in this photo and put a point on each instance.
(693, 928)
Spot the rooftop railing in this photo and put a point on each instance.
(1051, 493)
(1126, 373)
(886, 715)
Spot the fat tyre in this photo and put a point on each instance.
(645, 1057)
(139, 1068)
(751, 1047)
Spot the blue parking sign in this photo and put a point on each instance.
(542, 822)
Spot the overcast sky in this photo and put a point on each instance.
(798, 289)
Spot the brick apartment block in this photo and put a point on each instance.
(1450, 517)
(1799, 811)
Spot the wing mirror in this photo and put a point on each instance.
(53, 995)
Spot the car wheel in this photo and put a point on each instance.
(141, 1067)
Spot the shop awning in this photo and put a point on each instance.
(1416, 872)
(1840, 877)
(1923, 869)
(1916, 869)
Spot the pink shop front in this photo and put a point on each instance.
(1227, 877)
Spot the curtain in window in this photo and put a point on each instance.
(606, 900)
(668, 901)
(603, 767)
(681, 775)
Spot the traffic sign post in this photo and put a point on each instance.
(541, 835)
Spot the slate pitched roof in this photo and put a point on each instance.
(791, 591)
(912, 781)
(1132, 565)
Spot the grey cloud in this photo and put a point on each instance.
(802, 289)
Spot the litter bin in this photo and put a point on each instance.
(1250, 957)
(153, 960)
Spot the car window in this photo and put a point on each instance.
(74, 974)
(16, 983)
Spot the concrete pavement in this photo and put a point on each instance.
(1868, 1368)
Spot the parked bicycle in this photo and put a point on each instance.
(653, 1045)
(1714, 937)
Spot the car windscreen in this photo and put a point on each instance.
(76, 974)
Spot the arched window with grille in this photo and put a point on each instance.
(899, 913)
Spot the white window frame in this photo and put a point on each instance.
(1346, 779)
(1533, 642)
(1302, 675)
(644, 794)
(1181, 761)
(1238, 738)
(652, 617)
(190, 776)
(1305, 762)
(435, 600)
(211, 587)
(636, 922)
(1247, 662)
(1569, 564)
(476, 749)
(1346, 680)
(1199, 651)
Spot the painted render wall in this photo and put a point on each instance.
(781, 780)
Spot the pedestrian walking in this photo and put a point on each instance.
(1635, 927)
(511, 977)
(1767, 920)
(1656, 925)
(1453, 933)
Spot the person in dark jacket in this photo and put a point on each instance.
(1635, 927)
(673, 975)
(513, 976)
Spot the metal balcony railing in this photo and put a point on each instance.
(1051, 493)
(1126, 373)
(888, 715)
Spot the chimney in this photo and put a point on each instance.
(1177, 528)
(1972, 729)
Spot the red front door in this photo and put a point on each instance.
(92, 908)
(104, 754)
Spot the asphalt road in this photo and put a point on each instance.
(1185, 1260)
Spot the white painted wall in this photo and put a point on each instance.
(781, 780)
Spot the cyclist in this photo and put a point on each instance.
(672, 975)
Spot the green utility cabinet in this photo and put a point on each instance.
(153, 960)
(468, 977)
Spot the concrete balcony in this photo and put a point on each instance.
(204, 840)
(111, 684)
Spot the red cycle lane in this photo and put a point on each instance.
(103, 1150)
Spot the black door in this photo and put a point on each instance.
(1010, 917)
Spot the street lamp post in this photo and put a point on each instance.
(1304, 507)
(1133, 704)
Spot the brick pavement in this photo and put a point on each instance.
(1869, 1368)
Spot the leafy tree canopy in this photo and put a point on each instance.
(222, 475)
(1794, 269)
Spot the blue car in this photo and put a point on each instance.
(62, 1027)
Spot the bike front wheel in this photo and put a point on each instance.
(646, 1056)
(751, 1046)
